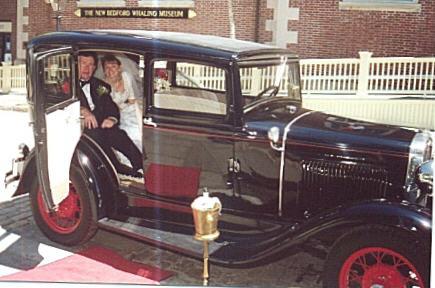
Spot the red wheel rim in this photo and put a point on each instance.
(67, 216)
(375, 267)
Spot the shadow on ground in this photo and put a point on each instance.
(23, 246)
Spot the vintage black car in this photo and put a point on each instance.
(227, 115)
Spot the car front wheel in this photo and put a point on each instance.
(376, 256)
(74, 221)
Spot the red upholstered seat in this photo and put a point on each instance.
(172, 181)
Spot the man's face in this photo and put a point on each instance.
(86, 67)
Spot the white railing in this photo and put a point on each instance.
(253, 81)
(369, 76)
(12, 78)
(405, 75)
(329, 76)
(362, 77)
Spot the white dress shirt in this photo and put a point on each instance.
(87, 91)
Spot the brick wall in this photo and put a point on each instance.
(264, 14)
(40, 18)
(245, 17)
(212, 18)
(8, 12)
(324, 31)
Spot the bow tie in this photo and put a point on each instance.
(83, 82)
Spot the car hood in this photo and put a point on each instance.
(327, 130)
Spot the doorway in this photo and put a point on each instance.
(5, 47)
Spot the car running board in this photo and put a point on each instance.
(181, 243)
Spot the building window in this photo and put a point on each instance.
(381, 5)
(167, 3)
(101, 3)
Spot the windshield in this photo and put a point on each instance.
(272, 78)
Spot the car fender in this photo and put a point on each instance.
(414, 221)
(27, 174)
(98, 170)
(411, 219)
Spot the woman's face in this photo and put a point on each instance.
(112, 69)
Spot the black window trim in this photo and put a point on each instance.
(73, 92)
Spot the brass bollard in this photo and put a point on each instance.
(205, 274)
(206, 211)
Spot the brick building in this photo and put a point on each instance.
(311, 28)
(8, 18)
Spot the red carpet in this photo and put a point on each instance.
(95, 264)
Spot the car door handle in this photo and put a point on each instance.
(149, 122)
(247, 133)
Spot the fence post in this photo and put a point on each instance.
(7, 77)
(363, 75)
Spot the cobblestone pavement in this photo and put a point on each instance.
(298, 270)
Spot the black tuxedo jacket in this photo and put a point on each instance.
(104, 105)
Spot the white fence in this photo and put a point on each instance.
(369, 76)
(360, 77)
(12, 78)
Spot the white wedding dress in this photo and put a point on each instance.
(129, 113)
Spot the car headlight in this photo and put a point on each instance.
(424, 176)
(420, 151)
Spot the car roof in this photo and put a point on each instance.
(189, 43)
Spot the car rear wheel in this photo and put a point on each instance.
(74, 221)
(375, 256)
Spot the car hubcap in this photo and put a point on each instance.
(67, 216)
(377, 267)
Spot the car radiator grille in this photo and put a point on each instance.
(326, 181)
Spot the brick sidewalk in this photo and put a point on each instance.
(15, 212)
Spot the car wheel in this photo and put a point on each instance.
(74, 222)
(376, 256)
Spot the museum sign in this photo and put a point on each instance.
(136, 12)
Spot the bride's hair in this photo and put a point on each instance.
(109, 58)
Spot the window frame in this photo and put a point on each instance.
(381, 5)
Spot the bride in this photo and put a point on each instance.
(123, 95)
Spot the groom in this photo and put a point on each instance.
(101, 117)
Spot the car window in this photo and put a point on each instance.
(57, 79)
(192, 87)
(261, 80)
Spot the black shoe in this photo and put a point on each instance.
(137, 174)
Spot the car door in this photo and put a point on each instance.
(57, 120)
(188, 136)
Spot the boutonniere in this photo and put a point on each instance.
(101, 90)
